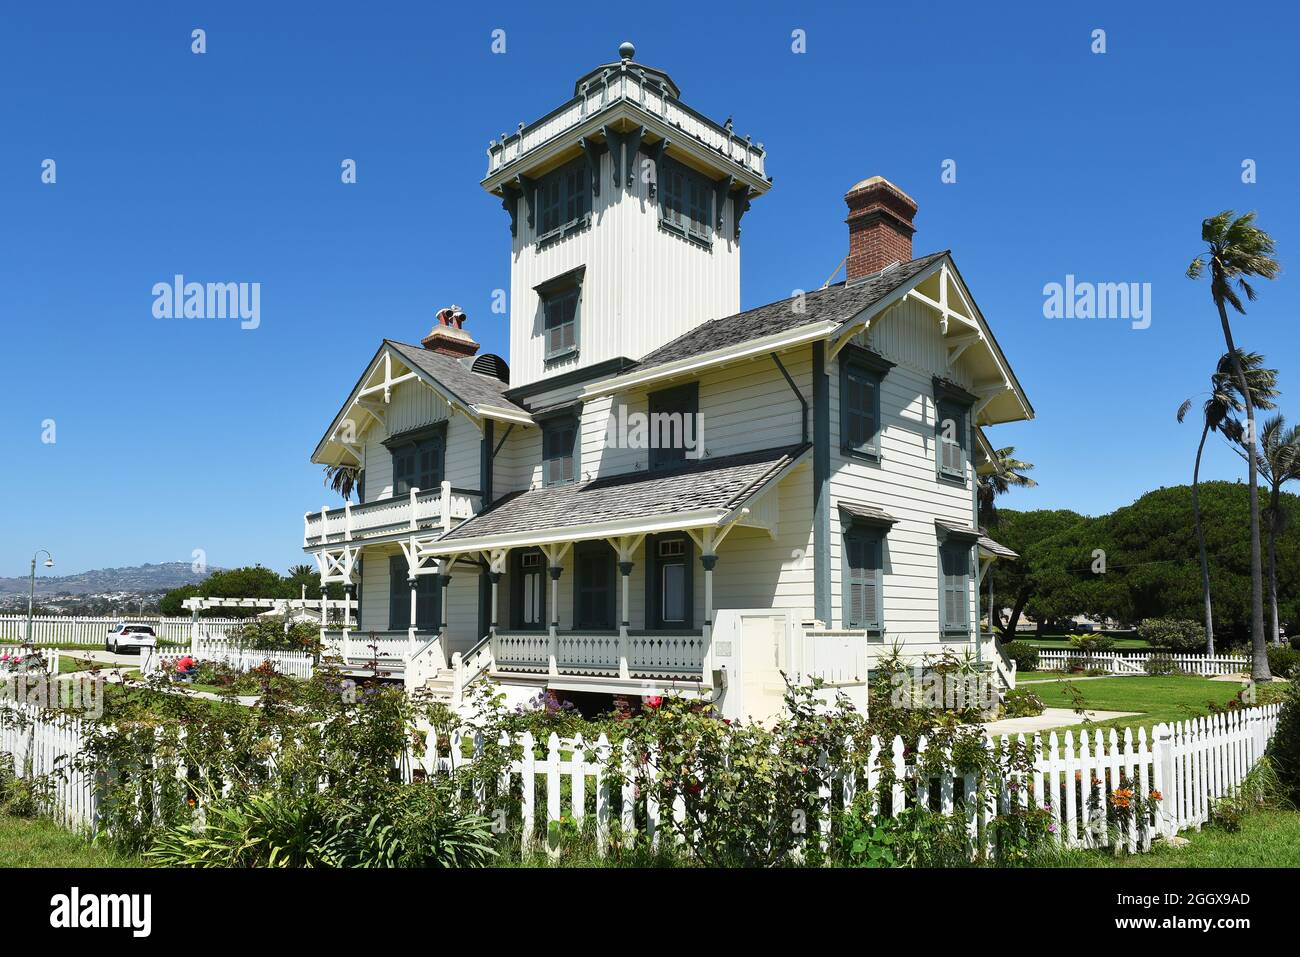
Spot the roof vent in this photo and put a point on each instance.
(491, 364)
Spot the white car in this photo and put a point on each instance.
(127, 636)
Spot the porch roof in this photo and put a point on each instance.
(695, 495)
(977, 535)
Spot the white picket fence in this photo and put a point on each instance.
(1183, 769)
(1134, 662)
(92, 632)
(13, 658)
(295, 664)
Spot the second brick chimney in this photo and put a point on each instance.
(449, 336)
(880, 226)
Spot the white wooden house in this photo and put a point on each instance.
(661, 491)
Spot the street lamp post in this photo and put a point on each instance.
(31, 595)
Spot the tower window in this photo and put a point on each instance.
(687, 201)
(563, 201)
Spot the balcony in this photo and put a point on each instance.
(651, 100)
(435, 510)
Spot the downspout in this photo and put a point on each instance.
(821, 485)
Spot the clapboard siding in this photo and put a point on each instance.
(413, 406)
(904, 484)
(642, 288)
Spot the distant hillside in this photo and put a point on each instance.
(139, 579)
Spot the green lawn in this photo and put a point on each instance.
(1159, 699)
(1059, 642)
(1266, 839)
(42, 843)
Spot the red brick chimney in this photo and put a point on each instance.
(880, 226)
(449, 336)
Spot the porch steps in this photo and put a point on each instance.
(441, 687)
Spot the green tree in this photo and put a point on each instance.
(1028, 534)
(1279, 463)
(1237, 251)
(1218, 415)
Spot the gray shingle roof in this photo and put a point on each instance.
(471, 388)
(838, 303)
(723, 483)
(868, 513)
(997, 548)
(978, 535)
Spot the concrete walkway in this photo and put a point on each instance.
(1051, 718)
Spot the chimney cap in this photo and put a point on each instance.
(881, 182)
(448, 336)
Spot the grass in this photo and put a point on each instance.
(39, 842)
(1158, 699)
(1059, 642)
(1266, 839)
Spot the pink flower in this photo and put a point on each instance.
(653, 701)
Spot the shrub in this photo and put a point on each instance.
(1283, 662)
(1284, 749)
(1173, 634)
(1023, 654)
(1161, 664)
(1092, 644)
(270, 631)
(1022, 703)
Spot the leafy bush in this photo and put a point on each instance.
(1023, 654)
(1283, 662)
(1284, 749)
(1022, 703)
(275, 631)
(1161, 664)
(1091, 644)
(1173, 634)
(21, 796)
(417, 827)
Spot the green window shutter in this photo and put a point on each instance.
(560, 315)
(860, 410)
(862, 585)
(427, 602)
(399, 594)
(559, 440)
(955, 588)
(951, 454)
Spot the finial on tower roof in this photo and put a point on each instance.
(626, 50)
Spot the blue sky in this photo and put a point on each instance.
(175, 435)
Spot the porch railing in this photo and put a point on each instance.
(414, 511)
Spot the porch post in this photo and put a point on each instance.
(708, 561)
(554, 636)
(495, 578)
(347, 606)
(413, 582)
(625, 570)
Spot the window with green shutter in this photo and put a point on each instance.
(559, 450)
(560, 321)
(954, 588)
(861, 373)
(950, 439)
(686, 201)
(418, 458)
(563, 201)
(863, 599)
(593, 586)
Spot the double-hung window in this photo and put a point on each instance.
(674, 425)
(560, 450)
(686, 200)
(861, 373)
(954, 588)
(863, 597)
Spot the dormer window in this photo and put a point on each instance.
(686, 201)
(563, 201)
(561, 299)
(560, 450)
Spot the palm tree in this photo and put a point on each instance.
(342, 479)
(1219, 410)
(1008, 472)
(1279, 463)
(1238, 250)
